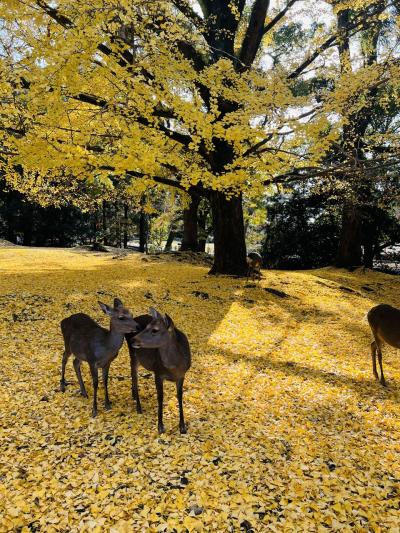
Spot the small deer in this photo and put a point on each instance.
(384, 321)
(254, 262)
(89, 342)
(161, 348)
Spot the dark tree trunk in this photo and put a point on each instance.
(117, 226)
(104, 213)
(202, 232)
(62, 237)
(171, 237)
(369, 253)
(10, 229)
(229, 239)
(94, 226)
(349, 251)
(202, 214)
(370, 235)
(143, 231)
(27, 223)
(354, 212)
(190, 232)
(126, 214)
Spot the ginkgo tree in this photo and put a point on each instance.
(174, 92)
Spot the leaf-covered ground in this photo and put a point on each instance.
(287, 429)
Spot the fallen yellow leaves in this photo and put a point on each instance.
(288, 431)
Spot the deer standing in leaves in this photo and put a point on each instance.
(89, 342)
(384, 321)
(163, 349)
(254, 262)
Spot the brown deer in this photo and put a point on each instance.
(163, 349)
(254, 262)
(89, 342)
(384, 321)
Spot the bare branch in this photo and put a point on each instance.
(186, 9)
(278, 17)
(357, 25)
(254, 33)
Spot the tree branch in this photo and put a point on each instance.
(160, 179)
(257, 145)
(157, 179)
(185, 8)
(90, 99)
(327, 44)
(358, 24)
(123, 59)
(65, 22)
(254, 34)
(190, 52)
(278, 17)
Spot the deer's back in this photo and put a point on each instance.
(384, 321)
(255, 256)
(184, 348)
(82, 334)
(254, 260)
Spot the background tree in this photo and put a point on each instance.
(304, 225)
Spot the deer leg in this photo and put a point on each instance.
(77, 366)
(383, 382)
(160, 396)
(179, 393)
(135, 388)
(373, 354)
(107, 403)
(63, 383)
(95, 379)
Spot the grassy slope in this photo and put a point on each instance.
(287, 429)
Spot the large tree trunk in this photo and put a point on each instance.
(143, 232)
(349, 251)
(104, 213)
(94, 227)
(370, 235)
(117, 225)
(126, 224)
(170, 239)
(229, 240)
(27, 223)
(62, 240)
(369, 253)
(190, 233)
(201, 224)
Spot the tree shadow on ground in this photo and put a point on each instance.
(368, 388)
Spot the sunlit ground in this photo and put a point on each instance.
(288, 431)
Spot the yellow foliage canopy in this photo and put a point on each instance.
(99, 88)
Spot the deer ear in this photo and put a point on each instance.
(168, 321)
(117, 303)
(154, 313)
(105, 308)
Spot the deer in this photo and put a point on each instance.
(254, 262)
(163, 349)
(384, 321)
(89, 342)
